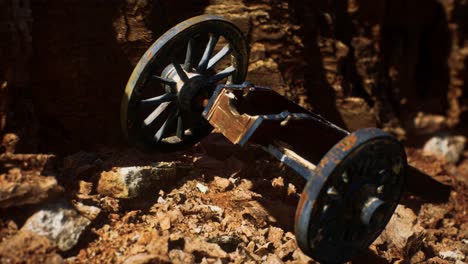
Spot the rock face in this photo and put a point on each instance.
(356, 113)
(311, 51)
(60, 223)
(426, 124)
(131, 182)
(28, 247)
(19, 188)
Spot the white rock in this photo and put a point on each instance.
(452, 255)
(202, 188)
(234, 180)
(215, 208)
(197, 230)
(135, 238)
(446, 146)
(59, 222)
(161, 200)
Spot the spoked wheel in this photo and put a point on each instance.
(173, 81)
(351, 197)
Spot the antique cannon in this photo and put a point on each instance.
(192, 79)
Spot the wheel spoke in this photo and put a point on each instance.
(222, 74)
(207, 54)
(157, 112)
(226, 50)
(182, 74)
(164, 80)
(180, 126)
(158, 99)
(168, 124)
(188, 55)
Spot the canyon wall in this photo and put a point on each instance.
(389, 63)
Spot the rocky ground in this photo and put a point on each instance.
(213, 203)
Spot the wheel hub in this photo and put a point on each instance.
(189, 90)
(367, 201)
(372, 211)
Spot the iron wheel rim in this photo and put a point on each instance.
(157, 57)
(310, 209)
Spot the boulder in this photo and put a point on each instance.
(446, 146)
(60, 223)
(131, 182)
